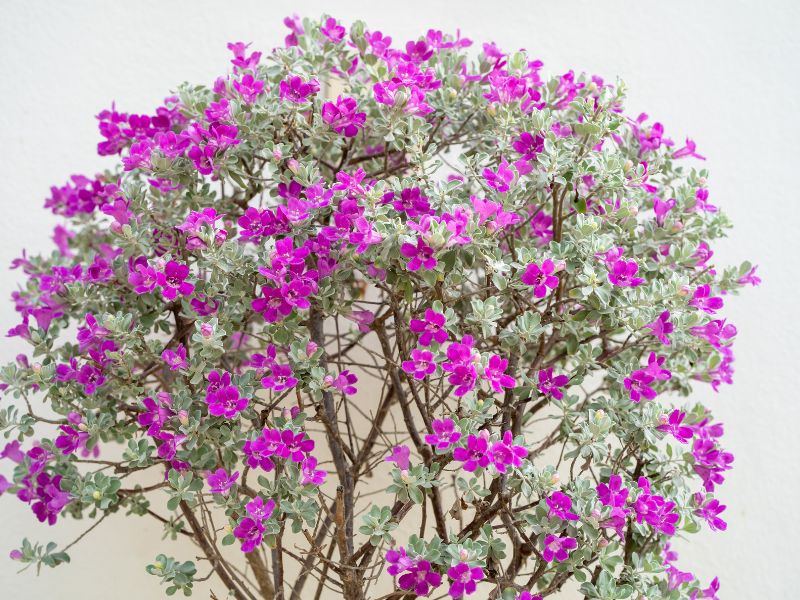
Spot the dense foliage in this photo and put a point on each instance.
(388, 317)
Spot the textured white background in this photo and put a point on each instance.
(724, 72)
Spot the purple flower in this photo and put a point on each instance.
(504, 453)
(294, 89)
(294, 446)
(540, 278)
(561, 506)
(661, 327)
(173, 280)
(47, 496)
(672, 424)
(251, 533)
(661, 208)
(400, 457)
(444, 434)
(501, 179)
(690, 149)
(431, 329)
(332, 30)
(259, 451)
(551, 386)
(310, 474)
(226, 402)
(421, 255)
(476, 452)
(703, 300)
(344, 382)
(558, 548)
(638, 384)
(461, 366)
(342, 116)
(279, 379)
(655, 510)
(622, 274)
(142, 276)
(156, 414)
(260, 510)
(421, 364)
(169, 447)
(613, 494)
(176, 359)
(414, 574)
(709, 510)
(219, 482)
(248, 88)
(750, 277)
(714, 332)
(464, 579)
(654, 367)
(70, 439)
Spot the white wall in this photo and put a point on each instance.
(723, 71)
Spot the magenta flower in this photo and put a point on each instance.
(750, 278)
(461, 366)
(622, 273)
(504, 453)
(558, 548)
(690, 149)
(464, 579)
(495, 374)
(344, 382)
(655, 369)
(310, 474)
(661, 208)
(612, 493)
(70, 439)
(414, 574)
(156, 413)
(551, 386)
(279, 379)
(709, 510)
(421, 364)
(431, 329)
(540, 278)
(142, 276)
(421, 255)
(672, 424)
(294, 446)
(260, 510)
(714, 332)
(176, 359)
(638, 384)
(173, 280)
(294, 89)
(400, 456)
(476, 452)
(655, 510)
(248, 88)
(250, 532)
(661, 327)
(226, 402)
(342, 116)
(259, 451)
(561, 506)
(195, 223)
(46, 495)
(501, 179)
(444, 434)
(703, 300)
(332, 30)
(219, 482)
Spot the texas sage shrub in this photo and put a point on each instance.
(381, 317)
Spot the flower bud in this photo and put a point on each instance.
(602, 542)
(277, 155)
(183, 417)
(97, 495)
(206, 330)
(293, 165)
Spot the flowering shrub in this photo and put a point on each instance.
(488, 288)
